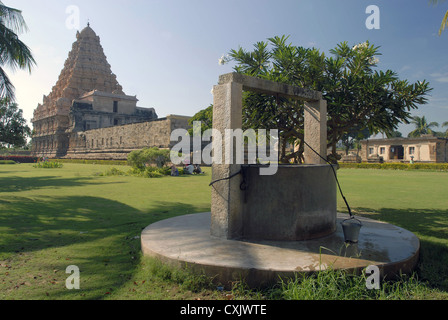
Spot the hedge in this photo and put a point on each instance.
(7, 162)
(397, 166)
(100, 162)
(20, 159)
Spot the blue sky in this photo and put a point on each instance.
(166, 51)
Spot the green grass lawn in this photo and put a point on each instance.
(53, 218)
(414, 200)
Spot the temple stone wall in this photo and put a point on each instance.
(117, 142)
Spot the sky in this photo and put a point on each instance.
(166, 52)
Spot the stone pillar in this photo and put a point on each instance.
(315, 131)
(226, 220)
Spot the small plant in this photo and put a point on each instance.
(146, 172)
(150, 156)
(48, 165)
(114, 172)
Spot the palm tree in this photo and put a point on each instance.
(422, 127)
(13, 52)
(445, 18)
(445, 124)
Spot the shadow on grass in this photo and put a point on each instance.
(99, 235)
(17, 184)
(430, 226)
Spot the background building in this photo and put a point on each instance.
(86, 100)
(422, 149)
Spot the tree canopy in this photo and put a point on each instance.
(205, 117)
(13, 128)
(358, 95)
(422, 127)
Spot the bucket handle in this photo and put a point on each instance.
(353, 218)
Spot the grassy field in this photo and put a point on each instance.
(53, 218)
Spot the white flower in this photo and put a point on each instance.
(224, 59)
(374, 60)
(363, 45)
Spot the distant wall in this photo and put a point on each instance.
(117, 142)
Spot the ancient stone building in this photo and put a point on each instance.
(422, 149)
(87, 113)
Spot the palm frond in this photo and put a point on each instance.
(444, 23)
(6, 87)
(14, 52)
(12, 18)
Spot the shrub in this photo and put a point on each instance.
(99, 162)
(20, 159)
(114, 172)
(7, 162)
(48, 165)
(147, 172)
(149, 156)
(397, 166)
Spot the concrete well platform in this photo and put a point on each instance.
(185, 241)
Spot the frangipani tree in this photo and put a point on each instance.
(358, 95)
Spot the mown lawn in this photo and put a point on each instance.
(414, 200)
(53, 218)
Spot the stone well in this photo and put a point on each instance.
(298, 203)
(263, 227)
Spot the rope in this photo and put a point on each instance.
(336, 177)
(244, 186)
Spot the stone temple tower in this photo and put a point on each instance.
(87, 92)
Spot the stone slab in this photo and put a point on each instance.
(263, 86)
(185, 241)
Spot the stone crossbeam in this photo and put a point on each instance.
(262, 86)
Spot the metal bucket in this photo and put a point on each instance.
(351, 228)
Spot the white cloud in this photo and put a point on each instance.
(440, 77)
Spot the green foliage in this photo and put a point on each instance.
(14, 53)
(338, 285)
(422, 126)
(48, 165)
(98, 162)
(149, 156)
(358, 96)
(205, 117)
(114, 172)
(397, 166)
(13, 128)
(445, 17)
(7, 162)
(146, 172)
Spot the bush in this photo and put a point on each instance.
(114, 172)
(397, 166)
(147, 172)
(48, 165)
(20, 159)
(149, 156)
(99, 162)
(7, 162)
